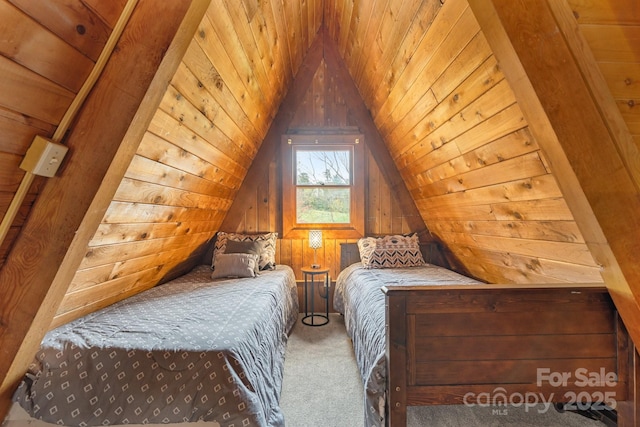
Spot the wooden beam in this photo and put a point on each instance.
(372, 136)
(539, 51)
(628, 410)
(102, 142)
(279, 126)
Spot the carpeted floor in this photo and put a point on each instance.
(322, 387)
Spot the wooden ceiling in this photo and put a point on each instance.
(513, 126)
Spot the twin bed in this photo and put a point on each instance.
(199, 348)
(193, 349)
(424, 335)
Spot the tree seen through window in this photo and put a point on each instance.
(323, 179)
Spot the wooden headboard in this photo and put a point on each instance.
(431, 252)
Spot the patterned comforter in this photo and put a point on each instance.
(359, 297)
(191, 349)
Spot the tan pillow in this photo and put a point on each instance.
(235, 265)
(267, 259)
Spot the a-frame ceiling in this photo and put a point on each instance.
(510, 123)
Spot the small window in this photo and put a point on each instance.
(321, 187)
(323, 181)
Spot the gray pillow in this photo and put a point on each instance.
(235, 265)
(268, 240)
(246, 247)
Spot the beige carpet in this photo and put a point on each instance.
(322, 387)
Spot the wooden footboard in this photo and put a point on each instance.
(493, 344)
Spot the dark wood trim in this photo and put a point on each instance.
(271, 143)
(454, 316)
(396, 350)
(628, 409)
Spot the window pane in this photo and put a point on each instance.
(326, 167)
(323, 205)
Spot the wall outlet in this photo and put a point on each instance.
(43, 157)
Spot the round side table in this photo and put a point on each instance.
(312, 276)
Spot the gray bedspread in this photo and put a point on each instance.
(359, 297)
(191, 349)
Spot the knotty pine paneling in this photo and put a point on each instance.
(456, 133)
(323, 105)
(264, 214)
(425, 72)
(196, 152)
(46, 53)
(323, 108)
(612, 32)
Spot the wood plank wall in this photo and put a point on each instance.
(423, 69)
(43, 64)
(612, 32)
(196, 152)
(383, 217)
(323, 108)
(456, 133)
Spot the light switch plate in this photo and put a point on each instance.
(43, 157)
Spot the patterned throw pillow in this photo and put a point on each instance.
(390, 251)
(268, 240)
